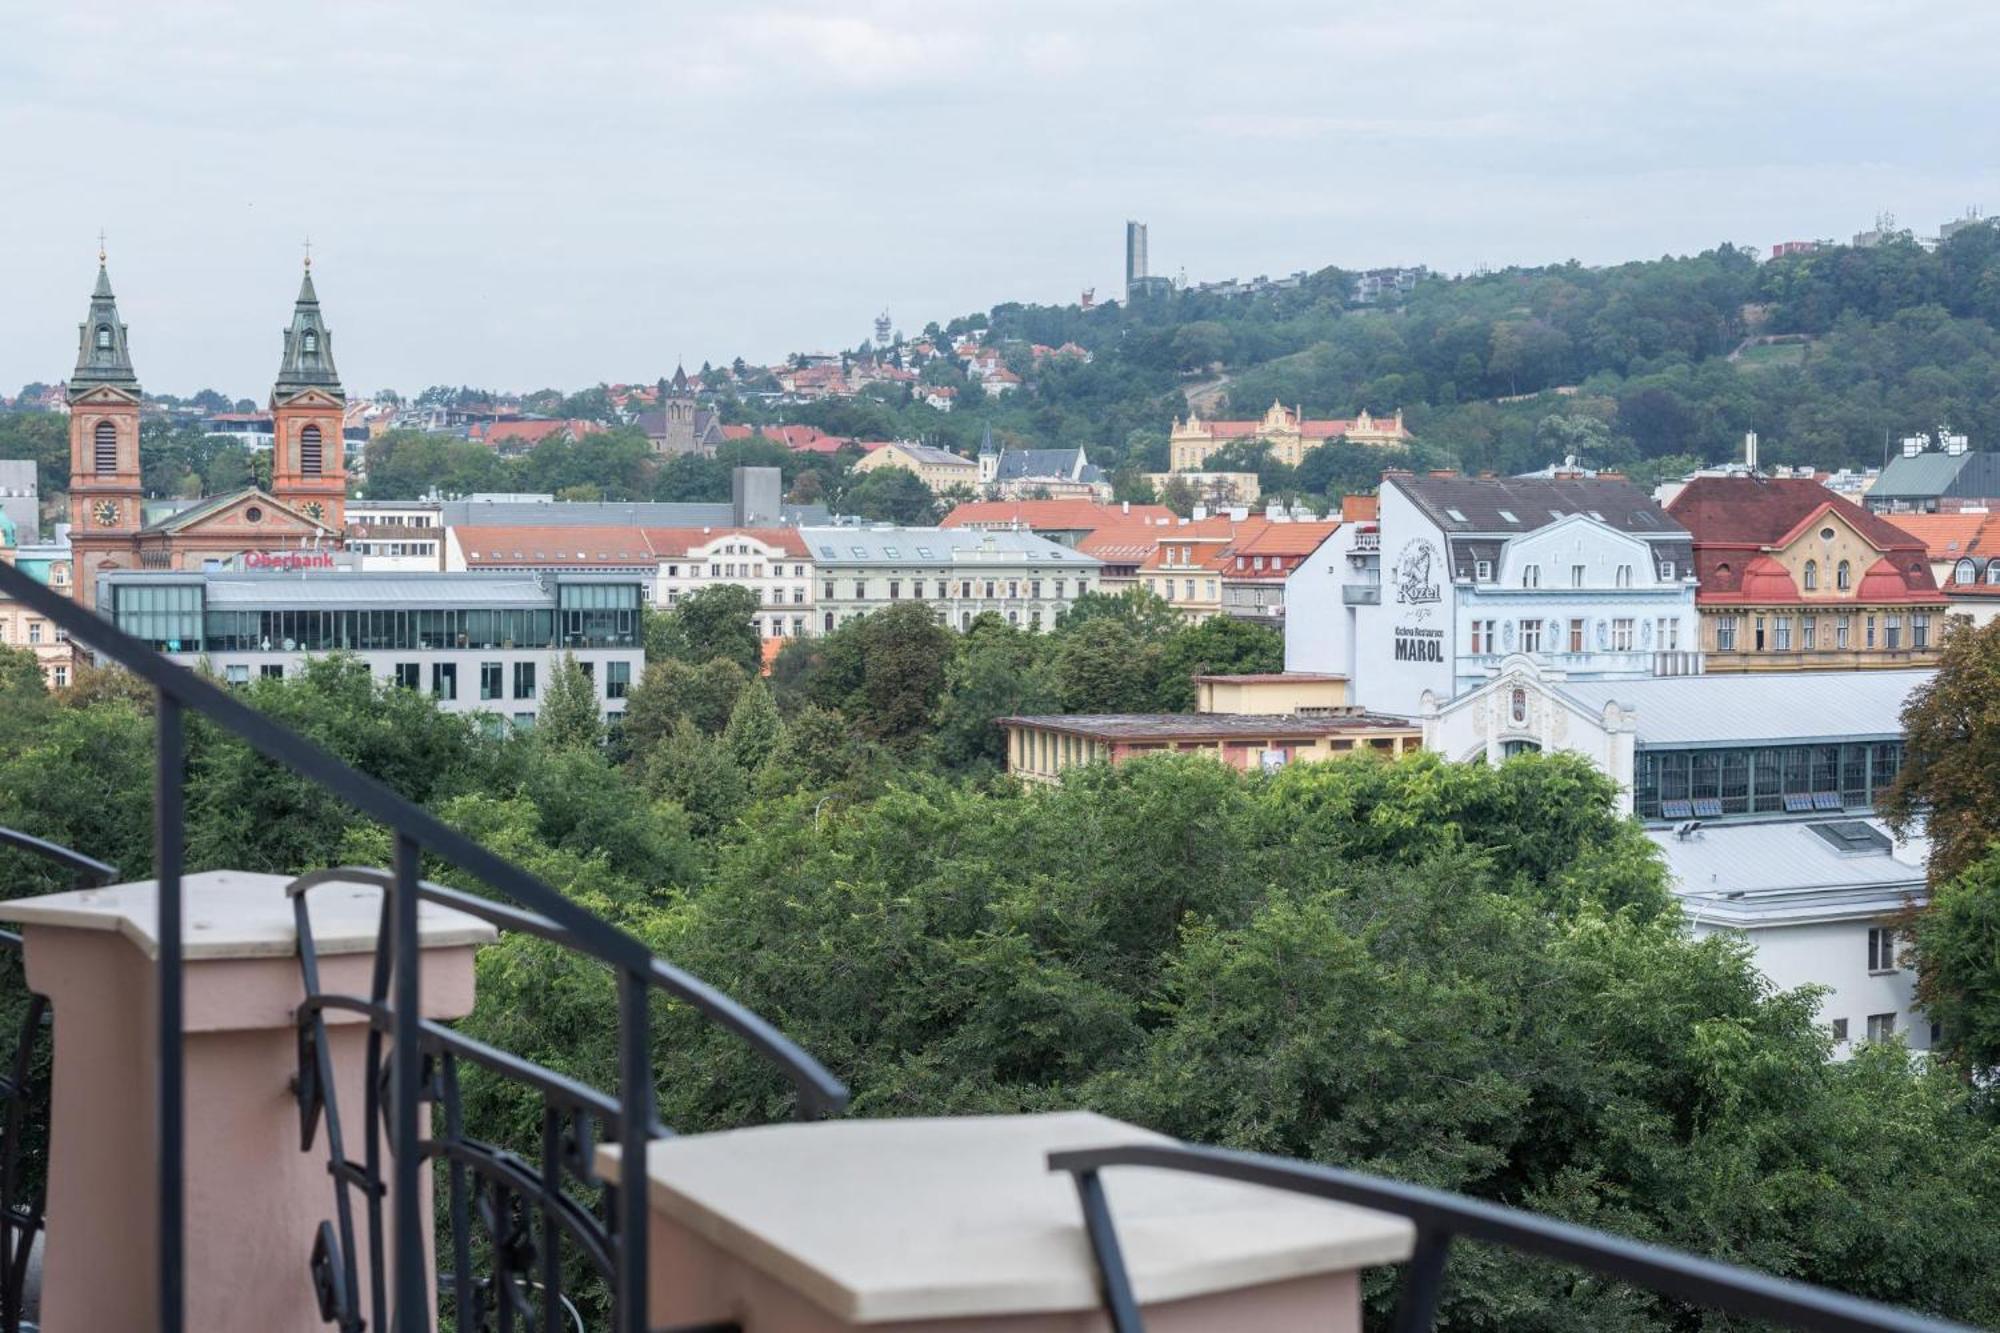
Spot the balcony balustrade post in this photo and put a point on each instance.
(254, 1197)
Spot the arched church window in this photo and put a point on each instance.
(311, 451)
(104, 447)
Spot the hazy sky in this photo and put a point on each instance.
(520, 194)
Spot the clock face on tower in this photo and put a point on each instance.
(105, 512)
(313, 510)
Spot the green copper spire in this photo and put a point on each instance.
(308, 362)
(102, 354)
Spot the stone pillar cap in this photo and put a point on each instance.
(238, 914)
(876, 1221)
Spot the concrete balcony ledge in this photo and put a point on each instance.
(238, 914)
(918, 1224)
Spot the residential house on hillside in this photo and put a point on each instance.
(1040, 474)
(940, 469)
(1254, 569)
(1793, 577)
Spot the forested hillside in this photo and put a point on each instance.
(1870, 345)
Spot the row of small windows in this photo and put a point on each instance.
(1774, 779)
(1773, 634)
(1531, 575)
(1968, 571)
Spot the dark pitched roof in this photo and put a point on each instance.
(112, 362)
(1927, 476)
(1016, 464)
(1482, 504)
(308, 359)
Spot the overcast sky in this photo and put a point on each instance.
(515, 195)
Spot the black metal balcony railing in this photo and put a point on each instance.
(25, 1097)
(1441, 1218)
(421, 1059)
(527, 1212)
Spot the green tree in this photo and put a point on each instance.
(569, 718)
(1955, 945)
(890, 495)
(1220, 645)
(998, 672)
(754, 727)
(1104, 666)
(718, 621)
(1951, 757)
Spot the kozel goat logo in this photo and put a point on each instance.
(1414, 584)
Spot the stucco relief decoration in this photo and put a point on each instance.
(1507, 635)
(1603, 635)
(1646, 634)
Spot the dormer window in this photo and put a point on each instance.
(103, 337)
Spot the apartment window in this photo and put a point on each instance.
(1531, 576)
(491, 675)
(990, 585)
(1843, 576)
(829, 622)
(1725, 634)
(1482, 637)
(798, 571)
(1808, 633)
(522, 721)
(1531, 636)
(59, 676)
(1783, 638)
(1167, 587)
(1757, 641)
(271, 671)
(1576, 636)
(1059, 589)
(895, 589)
(1881, 1027)
(1842, 630)
(798, 596)
(942, 590)
(1576, 576)
(1666, 569)
(618, 678)
(1840, 1029)
(34, 631)
(1882, 949)
(1868, 637)
(1190, 590)
(1624, 578)
(236, 675)
(409, 675)
(1483, 570)
(1035, 589)
(965, 587)
(1621, 635)
(860, 589)
(1920, 632)
(444, 680)
(1670, 635)
(524, 681)
(798, 627)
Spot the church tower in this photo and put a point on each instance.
(308, 414)
(677, 415)
(104, 400)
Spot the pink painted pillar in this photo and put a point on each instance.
(254, 1198)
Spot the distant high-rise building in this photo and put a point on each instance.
(1135, 257)
(883, 337)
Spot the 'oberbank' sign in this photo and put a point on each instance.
(286, 560)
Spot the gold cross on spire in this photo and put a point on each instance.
(100, 245)
(309, 252)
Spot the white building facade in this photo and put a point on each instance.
(774, 563)
(477, 643)
(959, 572)
(1585, 575)
(1760, 793)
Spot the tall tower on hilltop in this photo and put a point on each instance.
(104, 398)
(308, 414)
(1135, 258)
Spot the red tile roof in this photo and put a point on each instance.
(1737, 521)
(1287, 539)
(1949, 536)
(1057, 514)
(666, 542)
(488, 546)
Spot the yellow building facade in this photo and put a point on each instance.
(1289, 433)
